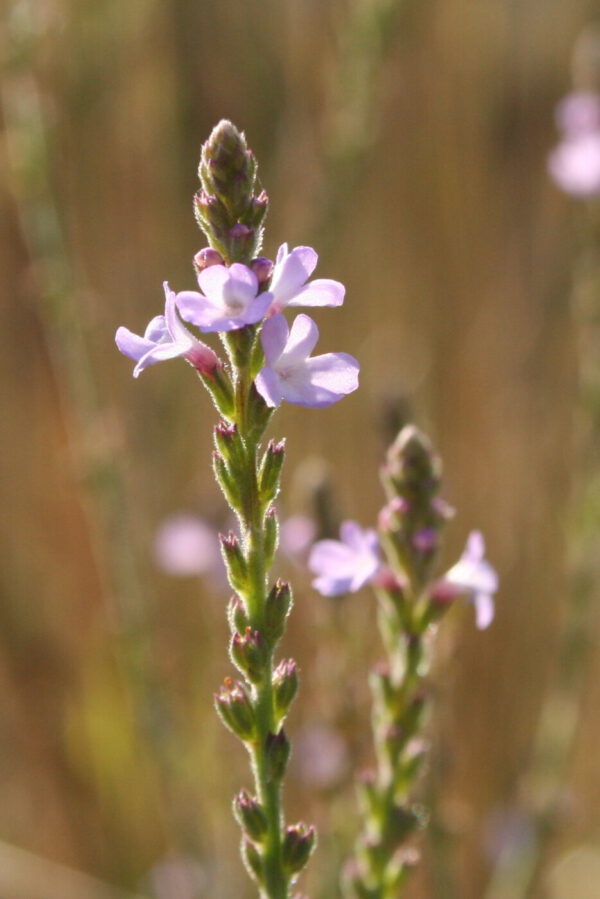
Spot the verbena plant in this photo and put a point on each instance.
(262, 362)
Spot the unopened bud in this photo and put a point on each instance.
(237, 615)
(278, 607)
(278, 753)
(235, 709)
(228, 483)
(250, 815)
(235, 562)
(252, 860)
(262, 268)
(250, 654)
(207, 257)
(285, 686)
(271, 526)
(298, 843)
(270, 471)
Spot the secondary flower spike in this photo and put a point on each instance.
(229, 299)
(345, 565)
(474, 577)
(288, 283)
(292, 374)
(166, 337)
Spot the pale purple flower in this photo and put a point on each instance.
(291, 374)
(166, 337)
(288, 283)
(474, 577)
(229, 299)
(578, 113)
(296, 534)
(185, 546)
(575, 164)
(345, 565)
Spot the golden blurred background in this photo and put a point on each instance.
(407, 141)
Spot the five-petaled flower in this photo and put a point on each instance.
(292, 374)
(472, 577)
(166, 337)
(345, 565)
(288, 285)
(229, 299)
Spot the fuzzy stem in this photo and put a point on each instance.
(251, 517)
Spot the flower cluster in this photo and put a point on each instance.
(345, 565)
(398, 560)
(233, 297)
(574, 164)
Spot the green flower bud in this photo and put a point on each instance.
(277, 608)
(277, 753)
(250, 815)
(228, 444)
(250, 654)
(271, 536)
(270, 471)
(298, 843)
(285, 686)
(237, 615)
(235, 709)
(252, 860)
(237, 570)
(227, 482)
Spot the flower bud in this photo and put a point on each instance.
(271, 535)
(235, 709)
(298, 843)
(262, 268)
(237, 570)
(250, 815)
(285, 686)
(228, 443)
(277, 756)
(250, 654)
(226, 480)
(207, 257)
(237, 615)
(252, 860)
(270, 471)
(277, 608)
(218, 384)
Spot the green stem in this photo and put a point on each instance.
(252, 524)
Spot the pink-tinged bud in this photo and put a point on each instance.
(203, 359)
(262, 268)
(392, 583)
(390, 517)
(235, 709)
(285, 686)
(237, 615)
(239, 231)
(425, 540)
(250, 815)
(207, 257)
(298, 843)
(249, 653)
(442, 594)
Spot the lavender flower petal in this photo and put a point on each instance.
(229, 300)
(288, 283)
(344, 566)
(291, 375)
